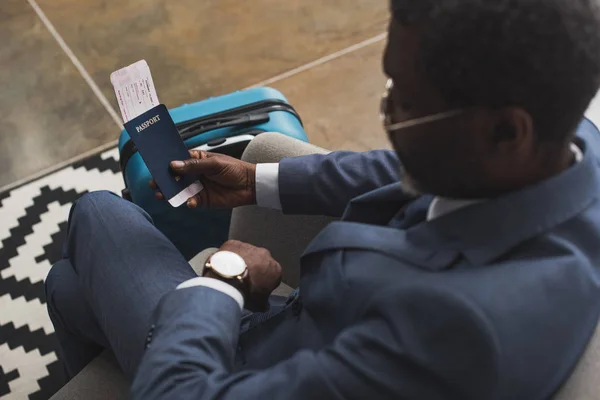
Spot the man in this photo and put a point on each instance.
(485, 286)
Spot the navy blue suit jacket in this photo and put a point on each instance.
(494, 301)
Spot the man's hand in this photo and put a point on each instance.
(264, 273)
(228, 182)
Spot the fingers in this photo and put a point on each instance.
(208, 154)
(199, 200)
(201, 154)
(192, 202)
(158, 195)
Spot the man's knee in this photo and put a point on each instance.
(68, 306)
(105, 205)
(60, 282)
(99, 201)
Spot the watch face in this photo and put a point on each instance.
(228, 264)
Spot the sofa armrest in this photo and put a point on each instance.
(100, 380)
(584, 382)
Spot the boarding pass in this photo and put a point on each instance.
(134, 89)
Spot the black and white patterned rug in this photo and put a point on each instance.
(33, 220)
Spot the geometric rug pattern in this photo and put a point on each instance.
(33, 221)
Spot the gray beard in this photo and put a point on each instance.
(408, 184)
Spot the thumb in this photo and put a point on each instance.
(195, 166)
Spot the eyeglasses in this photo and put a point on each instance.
(386, 111)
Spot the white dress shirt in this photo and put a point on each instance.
(267, 195)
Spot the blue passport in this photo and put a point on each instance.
(158, 142)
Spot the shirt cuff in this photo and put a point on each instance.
(214, 284)
(267, 186)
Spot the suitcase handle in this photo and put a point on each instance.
(201, 127)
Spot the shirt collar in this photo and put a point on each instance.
(444, 205)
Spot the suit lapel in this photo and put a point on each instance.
(379, 206)
(381, 239)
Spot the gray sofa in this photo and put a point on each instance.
(286, 237)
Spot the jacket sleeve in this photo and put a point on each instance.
(324, 184)
(437, 347)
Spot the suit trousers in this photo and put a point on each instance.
(116, 268)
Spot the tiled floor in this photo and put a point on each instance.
(339, 100)
(48, 112)
(195, 49)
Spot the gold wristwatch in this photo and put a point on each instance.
(228, 267)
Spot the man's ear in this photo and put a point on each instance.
(513, 130)
(504, 131)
